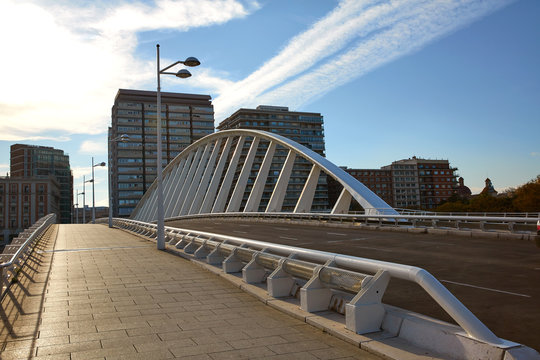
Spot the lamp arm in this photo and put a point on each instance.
(162, 71)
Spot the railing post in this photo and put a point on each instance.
(365, 312)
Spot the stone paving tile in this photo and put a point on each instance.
(108, 302)
(250, 353)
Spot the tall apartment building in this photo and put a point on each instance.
(411, 183)
(24, 200)
(43, 161)
(306, 128)
(185, 119)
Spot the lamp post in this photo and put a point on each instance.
(183, 73)
(122, 138)
(93, 192)
(84, 199)
(77, 206)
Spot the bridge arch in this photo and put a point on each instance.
(229, 171)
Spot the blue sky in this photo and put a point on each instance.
(440, 79)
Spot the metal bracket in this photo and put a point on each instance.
(315, 296)
(365, 312)
(254, 273)
(232, 263)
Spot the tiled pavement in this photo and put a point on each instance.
(97, 293)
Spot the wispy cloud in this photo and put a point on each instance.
(62, 76)
(535, 154)
(355, 38)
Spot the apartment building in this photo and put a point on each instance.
(410, 183)
(185, 119)
(306, 128)
(42, 161)
(24, 200)
(377, 180)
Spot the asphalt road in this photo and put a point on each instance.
(498, 280)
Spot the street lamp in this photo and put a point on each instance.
(77, 206)
(84, 198)
(122, 138)
(183, 73)
(93, 192)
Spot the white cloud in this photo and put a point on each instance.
(535, 154)
(66, 61)
(93, 147)
(355, 38)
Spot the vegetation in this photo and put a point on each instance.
(525, 198)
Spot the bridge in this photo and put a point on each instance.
(230, 210)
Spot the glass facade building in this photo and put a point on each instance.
(185, 118)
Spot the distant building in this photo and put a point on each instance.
(43, 161)
(410, 183)
(489, 189)
(24, 200)
(461, 190)
(377, 180)
(306, 128)
(185, 119)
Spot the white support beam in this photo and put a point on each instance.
(278, 195)
(178, 185)
(187, 182)
(306, 198)
(203, 186)
(219, 205)
(152, 208)
(343, 203)
(190, 194)
(240, 187)
(210, 196)
(255, 195)
(144, 212)
(172, 184)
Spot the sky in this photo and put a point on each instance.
(438, 79)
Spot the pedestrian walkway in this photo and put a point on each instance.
(91, 292)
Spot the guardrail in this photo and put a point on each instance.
(16, 253)
(321, 275)
(483, 223)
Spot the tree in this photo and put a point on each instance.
(527, 197)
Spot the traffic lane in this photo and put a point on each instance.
(496, 279)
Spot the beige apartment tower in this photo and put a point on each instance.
(185, 119)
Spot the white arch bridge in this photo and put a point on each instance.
(253, 171)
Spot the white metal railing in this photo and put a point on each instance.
(16, 253)
(485, 223)
(325, 272)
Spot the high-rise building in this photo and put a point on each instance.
(24, 200)
(306, 128)
(43, 161)
(185, 119)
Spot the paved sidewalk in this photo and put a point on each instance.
(95, 293)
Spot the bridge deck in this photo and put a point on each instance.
(94, 292)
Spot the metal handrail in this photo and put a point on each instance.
(394, 220)
(463, 316)
(37, 229)
(527, 220)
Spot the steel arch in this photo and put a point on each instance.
(196, 181)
